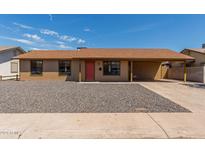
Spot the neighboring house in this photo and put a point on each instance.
(195, 68)
(90, 64)
(197, 53)
(8, 65)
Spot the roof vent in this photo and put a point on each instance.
(203, 45)
(78, 48)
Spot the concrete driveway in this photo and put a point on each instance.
(181, 125)
(116, 125)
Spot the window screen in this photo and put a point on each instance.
(64, 67)
(36, 67)
(111, 68)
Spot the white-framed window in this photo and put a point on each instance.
(14, 67)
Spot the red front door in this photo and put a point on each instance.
(90, 66)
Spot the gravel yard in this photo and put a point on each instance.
(61, 97)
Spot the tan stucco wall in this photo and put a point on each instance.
(123, 72)
(147, 70)
(83, 70)
(50, 71)
(193, 73)
(74, 70)
(142, 70)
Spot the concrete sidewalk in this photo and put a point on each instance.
(116, 125)
(80, 125)
(103, 125)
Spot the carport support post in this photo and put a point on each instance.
(185, 71)
(131, 71)
(161, 71)
(79, 74)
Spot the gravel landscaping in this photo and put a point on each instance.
(70, 97)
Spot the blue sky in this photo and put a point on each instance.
(102, 31)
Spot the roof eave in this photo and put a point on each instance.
(187, 49)
(117, 58)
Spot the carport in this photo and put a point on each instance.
(149, 70)
(146, 70)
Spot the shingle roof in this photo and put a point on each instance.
(3, 48)
(128, 53)
(107, 53)
(48, 54)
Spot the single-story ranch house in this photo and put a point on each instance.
(97, 64)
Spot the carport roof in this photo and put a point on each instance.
(107, 53)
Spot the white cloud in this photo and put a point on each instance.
(80, 41)
(37, 49)
(50, 17)
(18, 40)
(87, 30)
(33, 36)
(23, 26)
(67, 38)
(64, 46)
(64, 37)
(71, 39)
(49, 32)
